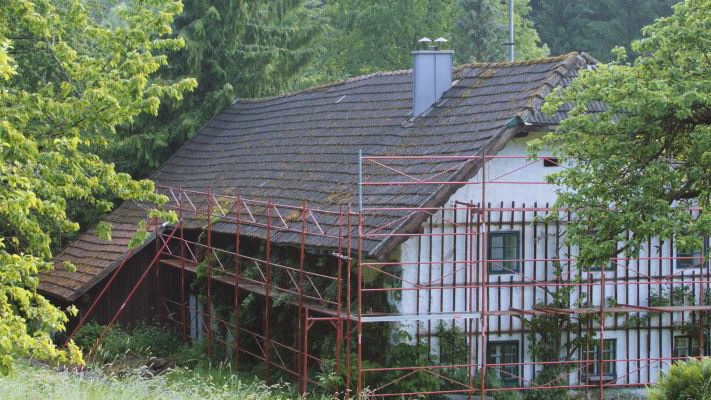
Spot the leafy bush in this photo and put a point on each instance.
(685, 380)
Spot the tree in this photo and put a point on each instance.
(641, 162)
(368, 36)
(478, 34)
(233, 48)
(528, 44)
(594, 26)
(66, 81)
(482, 30)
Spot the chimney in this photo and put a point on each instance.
(431, 76)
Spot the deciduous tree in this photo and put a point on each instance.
(639, 165)
(68, 77)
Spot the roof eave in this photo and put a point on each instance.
(100, 276)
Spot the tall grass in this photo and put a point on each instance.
(29, 382)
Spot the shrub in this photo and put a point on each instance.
(685, 380)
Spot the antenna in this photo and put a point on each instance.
(511, 30)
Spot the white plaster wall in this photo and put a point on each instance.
(452, 259)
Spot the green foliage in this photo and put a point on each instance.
(685, 380)
(648, 153)
(67, 79)
(139, 341)
(548, 342)
(367, 36)
(528, 44)
(479, 34)
(554, 375)
(453, 348)
(234, 48)
(36, 382)
(594, 26)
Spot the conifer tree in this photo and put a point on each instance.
(478, 34)
(368, 36)
(481, 31)
(595, 26)
(234, 48)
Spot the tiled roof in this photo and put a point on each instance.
(304, 147)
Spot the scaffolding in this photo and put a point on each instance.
(457, 278)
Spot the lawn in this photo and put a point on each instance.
(30, 381)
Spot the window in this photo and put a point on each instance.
(686, 346)
(551, 162)
(504, 250)
(688, 259)
(591, 372)
(504, 352)
(610, 266)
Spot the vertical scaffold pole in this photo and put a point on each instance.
(359, 323)
(159, 294)
(600, 347)
(183, 311)
(208, 299)
(484, 278)
(360, 180)
(267, 291)
(305, 368)
(238, 212)
(472, 281)
(349, 326)
(302, 321)
(339, 291)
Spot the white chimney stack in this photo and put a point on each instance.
(431, 76)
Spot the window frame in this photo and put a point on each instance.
(506, 380)
(593, 368)
(692, 348)
(689, 263)
(610, 266)
(515, 262)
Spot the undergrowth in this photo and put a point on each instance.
(38, 382)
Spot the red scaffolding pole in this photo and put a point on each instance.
(444, 278)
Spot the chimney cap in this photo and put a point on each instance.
(425, 40)
(440, 40)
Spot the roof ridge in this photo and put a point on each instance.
(403, 72)
(534, 61)
(325, 86)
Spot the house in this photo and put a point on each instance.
(415, 191)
